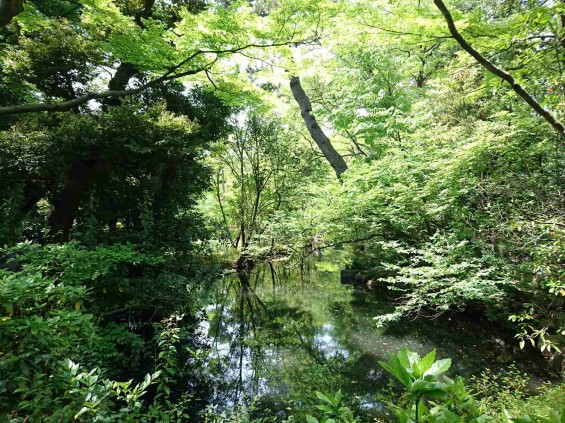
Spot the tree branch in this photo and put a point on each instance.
(491, 67)
(339, 244)
(324, 143)
(168, 76)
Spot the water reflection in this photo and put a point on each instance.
(282, 334)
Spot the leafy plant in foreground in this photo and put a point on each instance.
(433, 397)
(332, 409)
(424, 380)
(555, 417)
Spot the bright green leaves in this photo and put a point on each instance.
(333, 411)
(437, 368)
(331, 401)
(103, 17)
(554, 417)
(217, 28)
(420, 376)
(409, 368)
(148, 48)
(433, 397)
(399, 369)
(427, 362)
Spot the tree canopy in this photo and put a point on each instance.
(148, 148)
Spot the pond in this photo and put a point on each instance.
(281, 333)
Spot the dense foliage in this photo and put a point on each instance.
(145, 144)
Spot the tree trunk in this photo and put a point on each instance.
(84, 170)
(120, 81)
(9, 9)
(80, 178)
(323, 142)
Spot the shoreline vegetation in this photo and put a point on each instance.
(291, 210)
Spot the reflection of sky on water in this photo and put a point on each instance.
(260, 330)
(324, 341)
(332, 335)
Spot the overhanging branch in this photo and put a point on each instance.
(75, 102)
(491, 67)
(171, 74)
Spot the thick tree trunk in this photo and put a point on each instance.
(9, 9)
(323, 142)
(83, 170)
(81, 178)
(120, 81)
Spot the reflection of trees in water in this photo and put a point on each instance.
(261, 338)
(232, 327)
(284, 334)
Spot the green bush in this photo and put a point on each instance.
(61, 344)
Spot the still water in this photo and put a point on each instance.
(280, 333)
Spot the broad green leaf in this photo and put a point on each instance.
(324, 408)
(425, 363)
(438, 368)
(324, 398)
(397, 371)
(404, 359)
(431, 389)
(337, 398)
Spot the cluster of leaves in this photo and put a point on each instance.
(455, 186)
(333, 410)
(59, 310)
(423, 380)
(433, 397)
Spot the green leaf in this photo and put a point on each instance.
(504, 416)
(431, 389)
(82, 411)
(337, 398)
(325, 408)
(439, 367)
(404, 359)
(324, 398)
(397, 371)
(426, 362)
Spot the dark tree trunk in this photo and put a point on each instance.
(144, 13)
(9, 9)
(163, 198)
(120, 81)
(83, 170)
(80, 177)
(323, 142)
